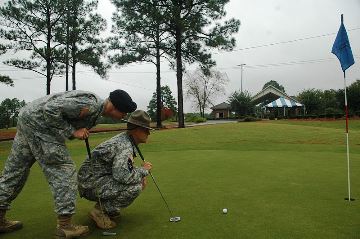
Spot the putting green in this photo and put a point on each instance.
(277, 180)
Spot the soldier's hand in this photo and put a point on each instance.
(147, 166)
(81, 133)
(143, 183)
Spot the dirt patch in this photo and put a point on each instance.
(9, 135)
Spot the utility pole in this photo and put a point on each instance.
(241, 65)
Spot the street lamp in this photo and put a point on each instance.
(241, 65)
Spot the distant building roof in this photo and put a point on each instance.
(269, 94)
(222, 106)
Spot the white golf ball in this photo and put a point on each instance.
(225, 210)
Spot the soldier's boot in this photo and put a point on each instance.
(65, 229)
(7, 225)
(101, 219)
(114, 216)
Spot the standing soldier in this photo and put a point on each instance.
(109, 177)
(43, 125)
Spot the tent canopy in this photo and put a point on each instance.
(282, 102)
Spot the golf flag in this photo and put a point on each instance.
(342, 49)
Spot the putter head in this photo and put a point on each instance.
(175, 219)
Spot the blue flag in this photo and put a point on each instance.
(342, 49)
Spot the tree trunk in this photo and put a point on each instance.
(48, 50)
(67, 48)
(179, 73)
(7, 120)
(74, 50)
(73, 73)
(158, 83)
(48, 77)
(179, 83)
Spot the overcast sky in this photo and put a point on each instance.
(288, 41)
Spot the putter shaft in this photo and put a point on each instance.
(152, 177)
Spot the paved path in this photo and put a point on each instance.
(211, 122)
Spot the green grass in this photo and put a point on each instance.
(278, 179)
(12, 129)
(354, 124)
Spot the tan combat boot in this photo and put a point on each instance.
(66, 230)
(101, 219)
(7, 225)
(115, 216)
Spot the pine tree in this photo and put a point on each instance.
(140, 35)
(79, 35)
(30, 26)
(195, 28)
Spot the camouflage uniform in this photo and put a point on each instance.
(111, 175)
(43, 126)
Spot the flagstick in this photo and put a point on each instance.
(347, 142)
(342, 50)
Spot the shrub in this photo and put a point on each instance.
(271, 116)
(331, 111)
(338, 116)
(199, 120)
(193, 117)
(249, 119)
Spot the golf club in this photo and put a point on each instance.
(104, 233)
(172, 218)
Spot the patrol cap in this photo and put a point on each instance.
(140, 118)
(122, 101)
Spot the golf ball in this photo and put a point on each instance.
(225, 210)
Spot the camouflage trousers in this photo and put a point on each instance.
(55, 162)
(113, 196)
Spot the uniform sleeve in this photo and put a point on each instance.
(123, 170)
(57, 112)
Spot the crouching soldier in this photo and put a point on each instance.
(42, 128)
(109, 177)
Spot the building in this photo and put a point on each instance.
(271, 94)
(221, 111)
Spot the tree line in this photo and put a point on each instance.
(9, 111)
(59, 34)
(318, 103)
(203, 90)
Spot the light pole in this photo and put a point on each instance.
(241, 65)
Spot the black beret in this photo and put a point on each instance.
(122, 101)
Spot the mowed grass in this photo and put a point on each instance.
(278, 179)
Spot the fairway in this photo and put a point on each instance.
(278, 179)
